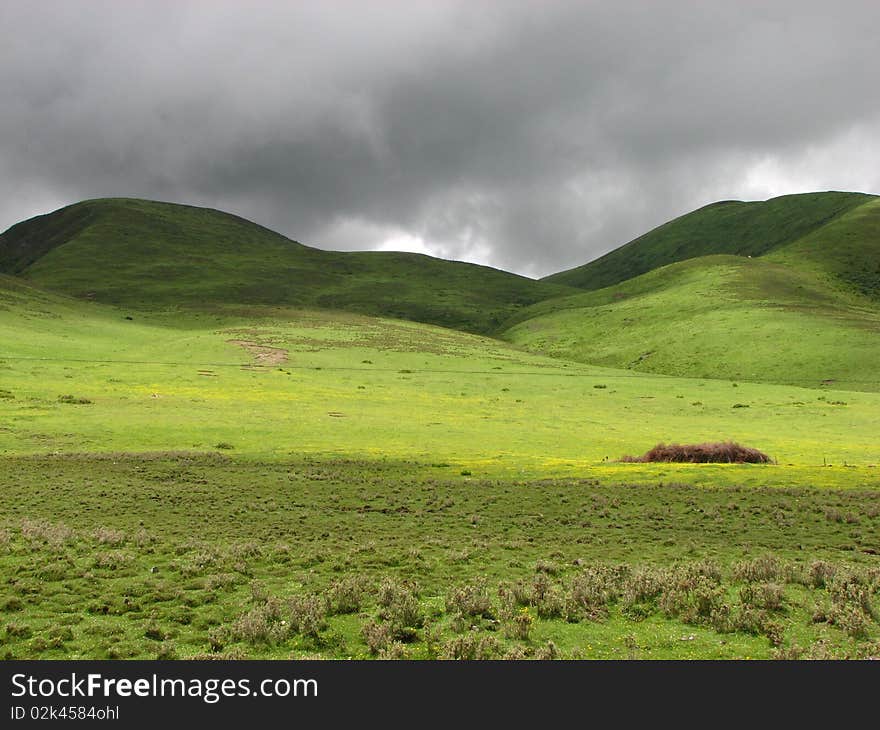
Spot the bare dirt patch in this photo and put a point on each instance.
(263, 354)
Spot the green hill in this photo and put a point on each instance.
(848, 250)
(152, 255)
(172, 476)
(806, 313)
(729, 227)
(784, 291)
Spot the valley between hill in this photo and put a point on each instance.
(216, 442)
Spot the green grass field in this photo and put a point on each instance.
(179, 556)
(350, 385)
(236, 477)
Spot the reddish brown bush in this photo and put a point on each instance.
(727, 452)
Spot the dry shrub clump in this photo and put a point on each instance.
(586, 596)
(112, 559)
(592, 590)
(395, 650)
(109, 536)
(346, 595)
(471, 600)
(693, 593)
(547, 652)
(726, 452)
(48, 533)
(473, 645)
(821, 573)
(516, 618)
(262, 624)
(766, 596)
(851, 603)
(547, 597)
(377, 636)
(766, 568)
(399, 606)
(519, 624)
(642, 590)
(269, 623)
(308, 615)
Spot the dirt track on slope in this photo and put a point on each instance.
(262, 354)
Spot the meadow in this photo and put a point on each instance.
(268, 482)
(223, 444)
(173, 555)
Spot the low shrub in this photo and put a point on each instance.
(308, 615)
(516, 653)
(519, 625)
(399, 606)
(395, 650)
(821, 573)
(552, 603)
(547, 566)
(592, 590)
(852, 621)
(768, 596)
(763, 569)
(470, 600)
(377, 636)
(471, 646)
(73, 400)
(346, 595)
(547, 652)
(109, 536)
(18, 630)
(726, 452)
(260, 625)
(42, 531)
(642, 589)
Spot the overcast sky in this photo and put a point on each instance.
(531, 136)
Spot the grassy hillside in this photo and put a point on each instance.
(716, 317)
(847, 251)
(805, 313)
(149, 255)
(729, 227)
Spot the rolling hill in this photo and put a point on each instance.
(727, 227)
(151, 255)
(179, 476)
(804, 313)
(782, 291)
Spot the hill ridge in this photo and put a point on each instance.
(746, 228)
(148, 254)
(807, 313)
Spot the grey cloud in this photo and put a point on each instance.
(532, 136)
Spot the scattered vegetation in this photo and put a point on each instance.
(73, 400)
(557, 569)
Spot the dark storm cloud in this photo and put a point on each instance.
(529, 135)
